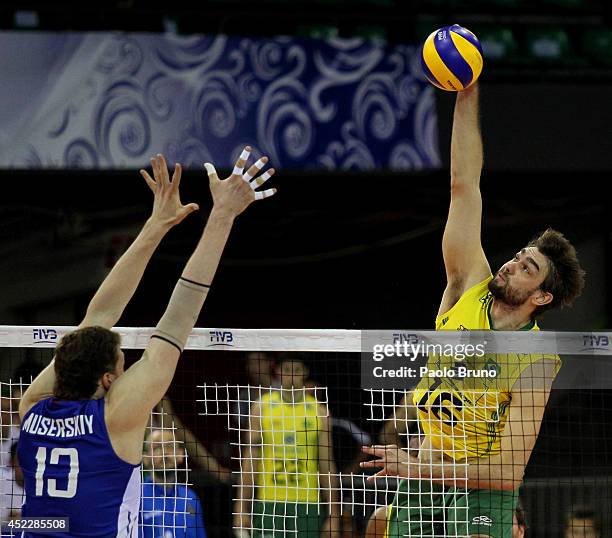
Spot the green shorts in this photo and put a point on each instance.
(280, 520)
(426, 509)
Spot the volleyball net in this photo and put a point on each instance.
(261, 431)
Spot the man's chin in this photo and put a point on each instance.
(496, 290)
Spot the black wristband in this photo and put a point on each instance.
(194, 282)
(168, 342)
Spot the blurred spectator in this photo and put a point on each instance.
(260, 371)
(11, 478)
(348, 438)
(9, 422)
(401, 429)
(519, 525)
(582, 523)
(288, 476)
(164, 417)
(10, 396)
(168, 509)
(11, 490)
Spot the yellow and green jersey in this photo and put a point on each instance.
(289, 468)
(465, 417)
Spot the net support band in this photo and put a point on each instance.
(181, 313)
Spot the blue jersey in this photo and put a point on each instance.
(71, 470)
(173, 512)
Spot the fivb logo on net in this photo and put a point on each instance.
(44, 335)
(595, 342)
(221, 338)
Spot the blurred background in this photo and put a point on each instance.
(332, 91)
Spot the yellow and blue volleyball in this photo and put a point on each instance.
(452, 58)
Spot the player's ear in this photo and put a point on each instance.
(107, 380)
(542, 298)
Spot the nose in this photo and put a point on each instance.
(509, 267)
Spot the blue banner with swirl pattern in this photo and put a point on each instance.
(111, 100)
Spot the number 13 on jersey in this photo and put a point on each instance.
(51, 483)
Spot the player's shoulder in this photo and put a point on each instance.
(190, 494)
(322, 409)
(256, 407)
(190, 497)
(476, 287)
(267, 396)
(28, 407)
(464, 295)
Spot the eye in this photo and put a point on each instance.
(525, 268)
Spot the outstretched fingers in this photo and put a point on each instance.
(380, 451)
(212, 173)
(150, 181)
(250, 177)
(260, 195)
(164, 177)
(259, 181)
(241, 162)
(253, 172)
(255, 169)
(176, 177)
(161, 175)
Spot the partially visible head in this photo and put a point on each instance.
(292, 371)
(260, 368)
(86, 360)
(10, 393)
(163, 454)
(23, 375)
(312, 386)
(8, 406)
(545, 274)
(519, 523)
(17, 472)
(582, 523)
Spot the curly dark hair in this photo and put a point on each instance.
(565, 279)
(82, 357)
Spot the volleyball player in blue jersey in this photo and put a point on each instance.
(83, 417)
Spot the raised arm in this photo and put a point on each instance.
(118, 287)
(464, 259)
(135, 393)
(529, 398)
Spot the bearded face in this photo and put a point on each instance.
(519, 277)
(501, 288)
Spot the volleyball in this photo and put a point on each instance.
(452, 58)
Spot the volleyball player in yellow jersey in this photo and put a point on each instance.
(287, 463)
(490, 425)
